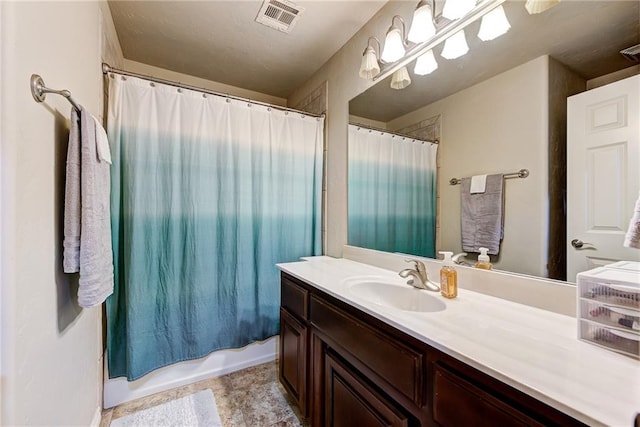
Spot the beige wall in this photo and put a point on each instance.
(51, 348)
(150, 70)
(363, 121)
(497, 126)
(111, 50)
(613, 77)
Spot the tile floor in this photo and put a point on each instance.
(252, 397)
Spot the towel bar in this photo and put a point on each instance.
(522, 173)
(40, 91)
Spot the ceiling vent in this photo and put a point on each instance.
(279, 14)
(632, 53)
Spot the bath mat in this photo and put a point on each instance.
(195, 410)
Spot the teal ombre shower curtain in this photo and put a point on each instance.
(208, 194)
(392, 192)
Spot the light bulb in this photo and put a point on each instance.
(393, 46)
(494, 24)
(400, 79)
(455, 46)
(539, 6)
(422, 26)
(369, 67)
(425, 64)
(456, 9)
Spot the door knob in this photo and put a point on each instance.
(579, 244)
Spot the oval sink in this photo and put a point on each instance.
(384, 292)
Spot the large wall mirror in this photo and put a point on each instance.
(500, 108)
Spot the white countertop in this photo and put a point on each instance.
(533, 350)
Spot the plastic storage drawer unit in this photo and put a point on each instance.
(609, 308)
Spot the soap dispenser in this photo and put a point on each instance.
(448, 277)
(483, 260)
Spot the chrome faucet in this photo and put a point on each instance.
(458, 258)
(419, 274)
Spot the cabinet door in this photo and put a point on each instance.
(456, 402)
(293, 359)
(351, 402)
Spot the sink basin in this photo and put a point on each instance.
(387, 293)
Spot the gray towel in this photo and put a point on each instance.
(482, 215)
(71, 243)
(87, 220)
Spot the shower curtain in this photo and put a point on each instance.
(392, 192)
(208, 194)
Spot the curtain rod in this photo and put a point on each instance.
(404, 135)
(106, 68)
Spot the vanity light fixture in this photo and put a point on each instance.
(539, 6)
(455, 46)
(456, 9)
(400, 50)
(400, 79)
(394, 42)
(423, 26)
(425, 64)
(493, 24)
(369, 68)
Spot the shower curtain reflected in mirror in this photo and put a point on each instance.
(392, 192)
(208, 194)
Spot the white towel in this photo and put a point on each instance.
(478, 184)
(632, 238)
(102, 141)
(87, 220)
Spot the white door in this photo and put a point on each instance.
(603, 178)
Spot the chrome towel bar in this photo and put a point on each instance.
(39, 91)
(522, 173)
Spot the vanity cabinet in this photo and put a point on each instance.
(294, 343)
(351, 401)
(346, 368)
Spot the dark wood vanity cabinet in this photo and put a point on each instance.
(344, 367)
(350, 401)
(294, 343)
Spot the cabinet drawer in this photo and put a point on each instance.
(294, 297)
(457, 402)
(400, 366)
(611, 338)
(610, 315)
(350, 401)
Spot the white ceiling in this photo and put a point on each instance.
(220, 40)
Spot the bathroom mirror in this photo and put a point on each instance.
(501, 108)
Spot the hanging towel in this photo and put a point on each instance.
(482, 215)
(71, 242)
(87, 220)
(102, 142)
(478, 184)
(632, 238)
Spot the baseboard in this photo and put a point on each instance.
(97, 417)
(119, 390)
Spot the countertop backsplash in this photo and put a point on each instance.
(551, 295)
